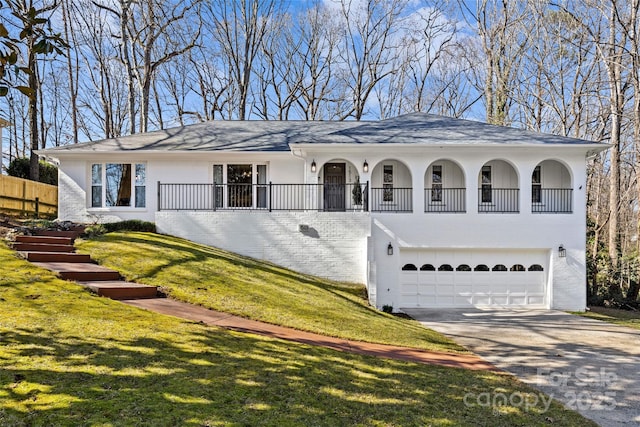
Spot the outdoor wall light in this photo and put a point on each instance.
(365, 167)
(313, 165)
(562, 252)
(390, 249)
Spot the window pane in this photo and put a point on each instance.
(141, 179)
(387, 176)
(96, 196)
(536, 186)
(239, 180)
(387, 183)
(141, 193)
(436, 175)
(486, 185)
(535, 178)
(96, 186)
(96, 174)
(217, 174)
(118, 177)
(436, 183)
(486, 174)
(218, 179)
(261, 179)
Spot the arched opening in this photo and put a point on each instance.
(444, 187)
(341, 188)
(409, 267)
(391, 187)
(498, 189)
(551, 189)
(427, 267)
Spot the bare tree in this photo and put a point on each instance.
(319, 36)
(239, 27)
(369, 46)
(503, 37)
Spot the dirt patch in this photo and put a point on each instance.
(10, 226)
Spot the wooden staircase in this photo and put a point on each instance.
(54, 250)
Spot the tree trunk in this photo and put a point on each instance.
(73, 91)
(34, 168)
(131, 100)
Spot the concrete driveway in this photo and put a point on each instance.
(590, 366)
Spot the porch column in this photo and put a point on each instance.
(417, 183)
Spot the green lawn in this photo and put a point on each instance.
(69, 358)
(613, 315)
(254, 289)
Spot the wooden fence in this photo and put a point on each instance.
(24, 197)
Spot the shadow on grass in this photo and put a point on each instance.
(190, 252)
(199, 252)
(205, 376)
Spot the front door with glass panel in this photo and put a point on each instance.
(334, 187)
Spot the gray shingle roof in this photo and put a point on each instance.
(274, 136)
(430, 129)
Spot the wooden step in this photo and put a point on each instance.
(121, 290)
(50, 240)
(56, 257)
(80, 271)
(41, 247)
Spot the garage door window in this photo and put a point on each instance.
(518, 267)
(409, 267)
(445, 267)
(499, 267)
(427, 267)
(536, 267)
(463, 267)
(481, 267)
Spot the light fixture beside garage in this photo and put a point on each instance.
(313, 165)
(562, 252)
(390, 249)
(365, 166)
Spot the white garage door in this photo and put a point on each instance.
(473, 278)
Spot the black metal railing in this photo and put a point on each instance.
(270, 197)
(551, 200)
(498, 200)
(445, 200)
(391, 199)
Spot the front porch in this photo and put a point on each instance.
(353, 197)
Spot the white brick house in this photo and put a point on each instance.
(427, 211)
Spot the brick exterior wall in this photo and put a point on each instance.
(332, 245)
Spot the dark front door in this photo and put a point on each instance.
(334, 187)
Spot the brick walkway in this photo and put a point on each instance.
(214, 318)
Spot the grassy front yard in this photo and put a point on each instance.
(627, 318)
(257, 290)
(69, 358)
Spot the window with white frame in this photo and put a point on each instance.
(387, 183)
(436, 183)
(118, 185)
(241, 185)
(486, 184)
(536, 185)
